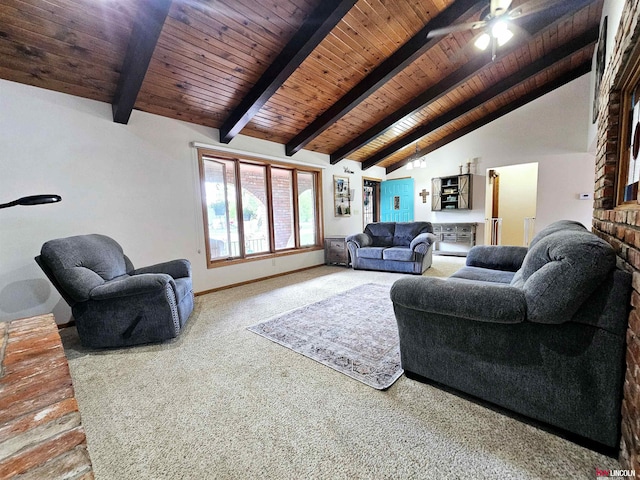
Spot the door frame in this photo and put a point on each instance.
(376, 210)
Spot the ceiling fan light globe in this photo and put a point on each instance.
(416, 163)
(498, 28)
(409, 166)
(504, 37)
(423, 163)
(482, 42)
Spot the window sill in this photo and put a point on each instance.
(627, 206)
(258, 257)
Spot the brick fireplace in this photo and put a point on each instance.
(620, 226)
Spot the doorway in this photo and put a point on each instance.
(510, 204)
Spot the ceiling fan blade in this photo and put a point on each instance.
(520, 32)
(466, 50)
(499, 7)
(456, 28)
(532, 7)
(515, 13)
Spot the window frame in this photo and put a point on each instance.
(237, 160)
(630, 83)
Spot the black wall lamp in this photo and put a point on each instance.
(33, 200)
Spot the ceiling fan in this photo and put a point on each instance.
(495, 24)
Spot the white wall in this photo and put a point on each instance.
(551, 131)
(136, 183)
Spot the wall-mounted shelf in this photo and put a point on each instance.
(451, 193)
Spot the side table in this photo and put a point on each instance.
(336, 251)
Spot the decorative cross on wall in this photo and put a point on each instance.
(424, 195)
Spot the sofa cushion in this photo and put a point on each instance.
(561, 271)
(494, 257)
(484, 274)
(407, 231)
(403, 254)
(381, 233)
(371, 252)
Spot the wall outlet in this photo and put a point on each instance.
(585, 196)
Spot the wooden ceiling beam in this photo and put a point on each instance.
(144, 36)
(533, 25)
(319, 24)
(582, 69)
(582, 41)
(406, 54)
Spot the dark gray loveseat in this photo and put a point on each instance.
(405, 247)
(540, 331)
(114, 304)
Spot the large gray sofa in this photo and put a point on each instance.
(540, 332)
(405, 247)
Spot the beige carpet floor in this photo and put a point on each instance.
(221, 402)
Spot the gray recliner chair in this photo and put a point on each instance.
(114, 304)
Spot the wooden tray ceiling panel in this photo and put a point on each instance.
(360, 42)
(211, 55)
(533, 50)
(499, 101)
(72, 46)
(421, 74)
(224, 46)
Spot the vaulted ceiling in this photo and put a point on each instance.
(357, 79)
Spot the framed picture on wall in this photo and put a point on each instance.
(601, 56)
(341, 196)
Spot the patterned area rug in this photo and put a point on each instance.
(354, 333)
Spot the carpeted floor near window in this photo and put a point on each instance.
(221, 402)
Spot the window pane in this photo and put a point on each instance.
(307, 208)
(220, 191)
(254, 210)
(282, 200)
(633, 172)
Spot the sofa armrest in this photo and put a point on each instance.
(497, 257)
(479, 301)
(360, 240)
(129, 286)
(176, 268)
(427, 238)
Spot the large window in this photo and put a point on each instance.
(629, 166)
(631, 145)
(254, 208)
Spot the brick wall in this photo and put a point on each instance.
(621, 226)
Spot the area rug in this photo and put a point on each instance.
(354, 332)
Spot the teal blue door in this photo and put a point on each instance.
(396, 200)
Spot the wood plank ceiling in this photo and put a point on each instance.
(357, 79)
